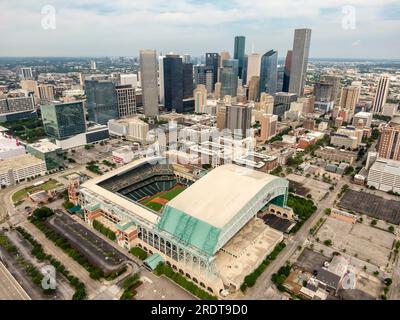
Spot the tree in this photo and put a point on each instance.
(328, 242)
(374, 222)
(328, 211)
(391, 229)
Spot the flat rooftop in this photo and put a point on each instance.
(218, 196)
(44, 146)
(18, 162)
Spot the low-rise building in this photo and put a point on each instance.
(10, 147)
(20, 168)
(335, 155)
(122, 155)
(47, 151)
(384, 175)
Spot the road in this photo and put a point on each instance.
(10, 289)
(264, 281)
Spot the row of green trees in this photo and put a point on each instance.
(302, 207)
(279, 278)
(139, 253)
(104, 230)
(39, 217)
(129, 286)
(38, 252)
(250, 280)
(183, 282)
(34, 273)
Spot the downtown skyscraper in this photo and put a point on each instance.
(240, 45)
(268, 72)
(212, 62)
(381, 94)
(229, 78)
(301, 48)
(148, 71)
(286, 73)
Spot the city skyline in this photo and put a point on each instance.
(125, 27)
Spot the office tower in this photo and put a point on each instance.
(229, 78)
(308, 104)
(285, 98)
(187, 80)
(389, 143)
(204, 75)
(254, 86)
(26, 74)
(101, 100)
(238, 119)
(212, 61)
(93, 65)
(161, 79)
(217, 92)
(148, 78)
(268, 73)
(46, 92)
(221, 113)
(253, 66)
(173, 82)
(126, 100)
(129, 79)
(381, 94)
(224, 55)
(298, 70)
(186, 58)
(323, 91)
(349, 98)
(240, 44)
(200, 98)
(335, 81)
(63, 120)
(286, 73)
(269, 124)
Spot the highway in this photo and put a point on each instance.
(10, 289)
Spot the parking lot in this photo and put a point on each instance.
(368, 243)
(316, 188)
(371, 205)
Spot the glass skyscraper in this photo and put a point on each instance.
(268, 72)
(240, 44)
(212, 62)
(229, 77)
(101, 98)
(63, 120)
(173, 82)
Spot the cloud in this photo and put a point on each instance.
(122, 27)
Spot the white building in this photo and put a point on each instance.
(16, 169)
(129, 79)
(131, 128)
(384, 175)
(123, 155)
(10, 147)
(366, 118)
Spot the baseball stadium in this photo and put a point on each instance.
(204, 226)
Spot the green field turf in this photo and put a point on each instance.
(167, 195)
(154, 206)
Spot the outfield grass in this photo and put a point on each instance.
(167, 195)
(21, 194)
(154, 206)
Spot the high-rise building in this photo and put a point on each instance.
(129, 79)
(238, 119)
(323, 91)
(101, 100)
(178, 84)
(335, 82)
(93, 65)
(309, 124)
(254, 85)
(298, 70)
(221, 113)
(240, 45)
(308, 103)
(63, 120)
(204, 75)
(229, 78)
(349, 98)
(187, 80)
(286, 73)
(148, 78)
(389, 143)
(161, 79)
(224, 55)
(212, 62)
(285, 99)
(186, 58)
(217, 92)
(200, 98)
(269, 124)
(26, 74)
(30, 86)
(381, 94)
(46, 92)
(126, 100)
(253, 66)
(17, 108)
(268, 74)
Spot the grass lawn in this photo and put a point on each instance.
(154, 206)
(167, 195)
(21, 194)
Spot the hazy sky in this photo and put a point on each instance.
(367, 29)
